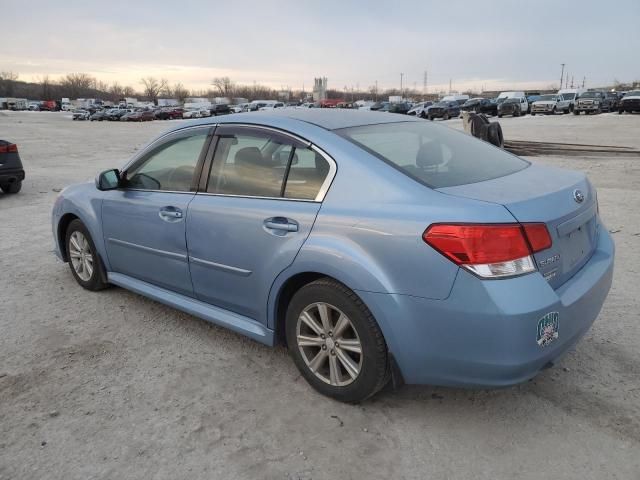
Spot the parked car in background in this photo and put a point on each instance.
(592, 102)
(510, 106)
(239, 108)
(630, 102)
(568, 98)
(219, 109)
(546, 104)
(401, 107)
(191, 113)
(80, 114)
(271, 106)
(205, 112)
(117, 113)
(11, 170)
(520, 96)
(99, 116)
(613, 100)
(480, 105)
(260, 227)
(34, 106)
(420, 109)
(379, 106)
(444, 110)
(140, 116)
(169, 113)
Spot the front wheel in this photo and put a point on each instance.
(445, 116)
(84, 260)
(335, 342)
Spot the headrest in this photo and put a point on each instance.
(249, 156)
(429, 154)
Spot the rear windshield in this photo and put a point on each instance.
(435, 155)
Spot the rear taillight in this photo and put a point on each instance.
(490, 250)
(8, 148)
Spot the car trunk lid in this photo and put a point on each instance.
(564, 200)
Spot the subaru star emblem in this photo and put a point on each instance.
(578, 196)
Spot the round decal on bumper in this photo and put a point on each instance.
(547, 329)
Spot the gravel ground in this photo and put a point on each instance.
(111, 385)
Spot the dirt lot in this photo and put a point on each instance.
(110, 385)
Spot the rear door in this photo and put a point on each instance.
(144, 222)
(251, 215)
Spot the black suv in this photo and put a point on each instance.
(480, 105)
(443, 110)
(11, 171)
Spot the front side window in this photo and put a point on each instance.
(171, 166)
(434, 155)
(257, 164)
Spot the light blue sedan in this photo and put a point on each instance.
(376, 247)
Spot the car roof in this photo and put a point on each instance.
(326, 118)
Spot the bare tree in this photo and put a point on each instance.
(7, 83)
(153, 87)
(45, 84)
(224, 85)
(75, 85)
(128, 91)
(179, 92)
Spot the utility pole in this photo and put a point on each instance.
(561, 75)
(571, 81)
(583, 80)
(424, 84)
(401, 75)
(449, 86)
(376, 90)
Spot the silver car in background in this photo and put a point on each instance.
(546, 104)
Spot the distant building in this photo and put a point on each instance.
(320, 89)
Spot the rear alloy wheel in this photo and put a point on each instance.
(12, 187)
(335, 342)
(84, 262)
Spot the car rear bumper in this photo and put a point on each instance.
(11, 175)
(485, 333)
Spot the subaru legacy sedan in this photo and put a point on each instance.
(375, 247)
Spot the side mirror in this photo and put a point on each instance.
(108, 180)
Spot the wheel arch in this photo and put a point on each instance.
(61, 232)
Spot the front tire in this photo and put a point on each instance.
(84, 261)
(335, 342)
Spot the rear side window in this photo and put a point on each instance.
(434, 155)
(258, 164)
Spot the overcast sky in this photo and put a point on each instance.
(476, 44)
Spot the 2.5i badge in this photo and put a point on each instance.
(547, 329)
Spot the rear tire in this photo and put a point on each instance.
(329, 375)
(84, 261)
(13, 187)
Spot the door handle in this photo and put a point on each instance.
(281, 223)
(170, 213)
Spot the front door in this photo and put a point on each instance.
(260, 202)
(144, 222)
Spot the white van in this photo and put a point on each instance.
(524, 105)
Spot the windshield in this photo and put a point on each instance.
(512, 100)
(568, 96)
(547, 98)
(590, 95)
(434, 155)
(635, 93)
